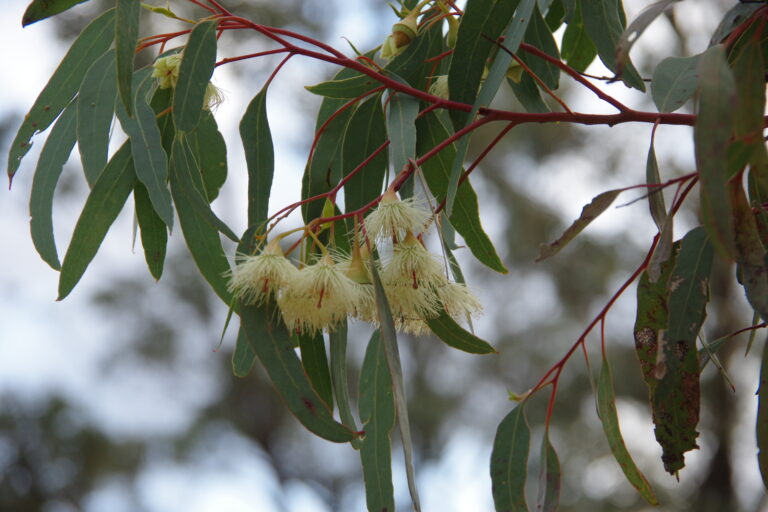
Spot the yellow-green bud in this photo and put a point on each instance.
(515, 72)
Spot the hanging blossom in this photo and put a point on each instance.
(355, 268)
(319, 297)
(256, 278)
(394, 217)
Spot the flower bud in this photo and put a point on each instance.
(439, 87)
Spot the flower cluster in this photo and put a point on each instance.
(321, 295)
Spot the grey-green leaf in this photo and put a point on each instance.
(92, 42)
(604, 21)
(126, 36)
(446, 328)
(351, 87)
(259, 156)
(154, 233)
(338, 341)
(674, 82)
(149, 157)
(314, 360)
(195, 73)
(95, 110)
(243, 358)
(104, 203)
(509, 462)
(762, 419)
(550, 477)
(210, 152)
(377, 412)
(635, 29)
(401, 129)
(54, 155)
(272, 343)
(590, 212)
(606, 407)
(42, 9)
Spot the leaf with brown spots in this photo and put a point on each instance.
(676, 396)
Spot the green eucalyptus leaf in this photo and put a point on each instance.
(674, 82)
(107, 197)
(272, 343)
(351, 87)
(210, 152)
(259, 156)
(606, 408)
(95, 110)
(762, 419)
(92, 42)
(338, 341)
(446, 328)
(578, 50)
(365, 132)
(676, 395)
(604, 21)
(195, 73)
(550, 477)
(42, 9)
(243, 358)
(509, 461)
(58, 146)
(712, 135)
(401, 130)
(126, 37)
(314, 360)
(154, 232)
(432, 129)
(377, 412)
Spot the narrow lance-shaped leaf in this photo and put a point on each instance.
(154, 233)
(259, 156)
(512, 37)
(338, 339)
(95, 110)
(190, 183)
(676, 397)
(606, 408)
(589, 213)
(104, 203)
(711, 136)
(126, 36)
(432, 129)
(201, 236)
(195, 73)
(351, 87)
(392, 353)
(550, 477)
(509, 461)
(92, 42)
(272, 343)
(42, 9)
(651, 317)
(635, 29)
(377, 412)
(762, 418)
(315, 363)
(365, 132)
(539, 35)
(481, 18)
(150, 159)
(578, 50)
(210, 152)
(244, 357)
(752, 265)
(446, 328)
(674, 82)
(605, 22)
(54, 155)
(664, 223)
(401, 130)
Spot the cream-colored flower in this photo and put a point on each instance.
(394, 218)
(166, 70)
(213, 97)
(410, 279)
(255, 278)
(319, 298)
(458, 301)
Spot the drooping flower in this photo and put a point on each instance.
(410, 279)
(356, 270)
(166, 70)
(256, 278)
(439, 87)
(394, 217)
(319, 297)
(458, 301)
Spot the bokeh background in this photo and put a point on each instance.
(121, 398)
